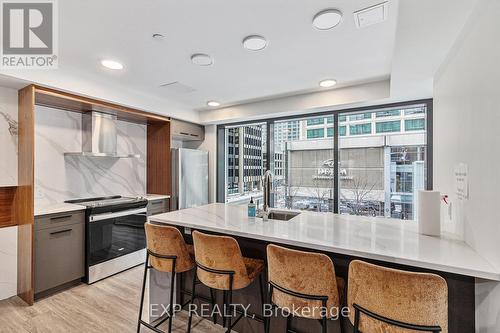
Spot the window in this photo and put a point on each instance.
(376, 177)
(417, 110)
(360, 129)
(243, 172)
(360, 116)
(316, 133)
(304, 176)
(315, 121)
(414, 124)
(388, 113)
(342, 130)
(388, 126)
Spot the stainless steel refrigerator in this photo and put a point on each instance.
(189, 178)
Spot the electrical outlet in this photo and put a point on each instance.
(187, 231)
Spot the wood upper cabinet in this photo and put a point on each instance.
(183, 130)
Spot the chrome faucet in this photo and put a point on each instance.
(267, 180)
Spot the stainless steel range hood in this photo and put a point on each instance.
(99, 136)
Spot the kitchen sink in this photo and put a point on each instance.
(282, 215)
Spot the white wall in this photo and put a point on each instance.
(8, 177)
(8, 262)
(466, 120)
(8, 137)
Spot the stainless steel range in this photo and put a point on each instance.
(115, 238)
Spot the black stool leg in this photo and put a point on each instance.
(224, 298)
(142, 293)
(229, 303)
(192, 301)
(212, 300)
(288, 323)
(263, 301)
(171, 306)
(323, 320)
(270, 300)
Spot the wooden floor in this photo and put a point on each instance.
(110, 305)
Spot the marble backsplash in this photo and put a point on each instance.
(59, 178)
(8, 137)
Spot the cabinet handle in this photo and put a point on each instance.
(60, 232)
(184, 133)
(61, 217)
(156, 202)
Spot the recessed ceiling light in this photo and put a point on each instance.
(254, 42)
(213, 103)
(111, 64)
(327, 83)
(201, 59)
(158, 36)
(327, 19)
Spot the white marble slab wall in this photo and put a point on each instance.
(8, 137)
(8, 260)
(59, 178)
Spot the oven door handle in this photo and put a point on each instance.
(106, 216)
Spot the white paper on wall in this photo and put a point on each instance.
(461, 174)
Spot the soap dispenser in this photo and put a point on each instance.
(252, 209)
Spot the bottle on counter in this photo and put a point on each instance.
(252, 208)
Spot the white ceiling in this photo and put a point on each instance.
(406, 49)
(296, 58)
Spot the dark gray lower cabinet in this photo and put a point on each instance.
(59, 250)
(157, 206)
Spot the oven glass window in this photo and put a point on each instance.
(114, 237)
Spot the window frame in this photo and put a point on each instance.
(269, 122)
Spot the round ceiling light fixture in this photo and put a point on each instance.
(111, 64)
(254, 42)
(213, 103)
(327, 19)
(202, 59)
(328, 83)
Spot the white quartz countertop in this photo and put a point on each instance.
(381, 239)
(56, 208)
(62, 207)
(152, 197)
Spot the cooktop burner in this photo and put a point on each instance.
(106, 201)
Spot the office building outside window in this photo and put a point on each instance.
(381, 154)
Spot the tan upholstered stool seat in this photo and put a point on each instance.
(341, 289)
(408, 297)
(224, 253)
(306, 273)
(166, 252)
(220, 265)
(190, 249)
(254, 267)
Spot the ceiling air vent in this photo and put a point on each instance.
(371, 15)
(177, 88)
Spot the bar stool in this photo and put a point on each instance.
(166, 252)
(304, 280)
(382, 299)
(221, 266)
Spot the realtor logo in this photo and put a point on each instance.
(29, 34)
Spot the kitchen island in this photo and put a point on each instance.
(388, 242)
